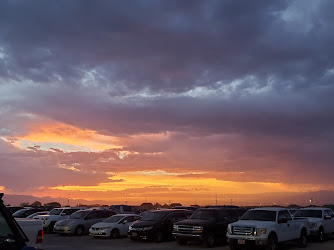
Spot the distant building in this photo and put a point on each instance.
(175, 205)
(146, 206)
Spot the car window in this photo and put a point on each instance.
(93, 215)
(288, 215)
(107, 213)
(171, 217)
(330, 212)
(127, 209)
(69, 211)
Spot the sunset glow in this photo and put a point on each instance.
(180, 101)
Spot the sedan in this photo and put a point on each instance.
(114, 226)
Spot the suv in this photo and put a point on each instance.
(11, 235)
(55, 215)
(80, 222)
(207, 225)
(157, 225)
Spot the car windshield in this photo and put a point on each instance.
(203, 214)
(114, 219)
(20, 212)
(79, 214)
(260, 215)
(308, 213)
(55, 211)
(154, 216)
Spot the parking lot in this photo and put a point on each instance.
(58, 242)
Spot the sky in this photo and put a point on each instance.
(166, 101)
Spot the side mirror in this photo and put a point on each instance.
(125, 221)
(63, 214)
(282, 220)
(327, 217)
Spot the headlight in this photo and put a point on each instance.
(104, 228)
(175, 227)
(130, 228)
(198, 228)
(260, 231)
(229, 229)
(313, 224)
(147, 228)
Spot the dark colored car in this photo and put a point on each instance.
(157, 225)
(25, 212)
(13, 209)
(207, 225)
(11, 235)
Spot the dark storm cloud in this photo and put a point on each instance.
(263, 70)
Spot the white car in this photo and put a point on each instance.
(114, 226)
(321, 220)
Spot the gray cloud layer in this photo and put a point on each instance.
(260, 69)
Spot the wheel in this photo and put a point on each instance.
(302, 241)
(159, 237)
(209, 240)
(321, 235)
(272, 243)
(181, 242)
(79, 231)
(114, 233)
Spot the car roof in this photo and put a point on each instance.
(125, 215)
(270, 208)
(315, 208)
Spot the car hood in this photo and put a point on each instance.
(252, 223)
(67, 221)
(195, 222)
(103, 224)
(145, 223)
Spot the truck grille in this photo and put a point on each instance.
(182, 228)
(243, 230)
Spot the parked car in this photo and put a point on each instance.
(207, 225)
(25, 212)
(267, 227)
(124, 209)
(55, 215)
(157, 225)
(321, 220)
(37, 213)
(80, 222)
(114, 226)
(11, 235)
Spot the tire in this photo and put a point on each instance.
(272, 243)
(302, 241)
(209, 241)
(79, 230)
(181, 242)
(158, 237)
(321, 235)
(115, 234)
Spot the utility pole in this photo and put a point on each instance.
(216, 200)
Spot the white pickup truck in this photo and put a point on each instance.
(33, 229)
(321, 220)
(55, 215)
(267, 227)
